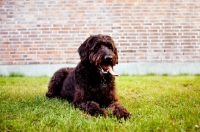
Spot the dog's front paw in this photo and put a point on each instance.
(103, 112)
(93, 109)
(121, 112)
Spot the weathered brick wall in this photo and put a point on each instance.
(50, 31)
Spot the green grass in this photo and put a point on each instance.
(158, 103)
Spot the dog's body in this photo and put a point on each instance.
(90, 86)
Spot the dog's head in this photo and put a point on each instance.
(99, 50)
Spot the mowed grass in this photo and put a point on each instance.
(158, 103)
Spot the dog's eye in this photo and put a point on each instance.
(96, 48)
(110, 47)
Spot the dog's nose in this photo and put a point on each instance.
(108, 58)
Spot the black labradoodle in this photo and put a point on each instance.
(90, 86)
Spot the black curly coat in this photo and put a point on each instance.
(90, 86)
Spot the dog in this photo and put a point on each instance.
(90, 86)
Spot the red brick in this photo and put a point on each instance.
(2, 3)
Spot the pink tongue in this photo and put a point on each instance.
(112, 72)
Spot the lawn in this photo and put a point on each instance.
(158, 103)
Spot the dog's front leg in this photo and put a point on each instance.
(91, 107)
(119, 111)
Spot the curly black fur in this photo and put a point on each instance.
(87, 87)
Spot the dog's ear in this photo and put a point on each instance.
(115, 52)
(114, 49)
(83, 50)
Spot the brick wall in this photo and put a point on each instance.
(50, 31)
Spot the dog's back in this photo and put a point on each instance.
(56, 82)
